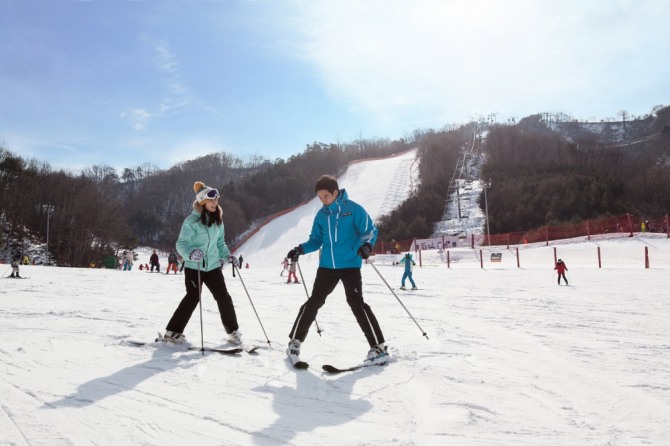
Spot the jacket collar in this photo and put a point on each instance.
(341, 198)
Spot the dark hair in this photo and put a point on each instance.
(327, 182)
(209, 218)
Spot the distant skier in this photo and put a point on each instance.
(15, 268)
(128, 260)
(561, 268)
(291, 272)
(409, 266)
(172, 262)
(154, 262)
(285, 265)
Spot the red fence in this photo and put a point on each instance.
(626, 223)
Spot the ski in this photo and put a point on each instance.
(297, 363)
(157, 342)
(9, 277)
(250, 348)
(224, 351)
(334, 370)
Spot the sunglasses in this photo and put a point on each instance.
(213, 194)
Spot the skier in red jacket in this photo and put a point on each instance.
(561, 268)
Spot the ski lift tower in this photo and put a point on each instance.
(49, 210)
(486, 206)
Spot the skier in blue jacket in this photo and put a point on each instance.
(409, 266)
(345, 233)
(201, 241)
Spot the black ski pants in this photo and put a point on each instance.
(217, 286)
(324, 284)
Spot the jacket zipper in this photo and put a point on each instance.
(332, 246)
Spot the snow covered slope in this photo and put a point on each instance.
(511, 358)
(378, 185)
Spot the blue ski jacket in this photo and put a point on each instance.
(210, 239)
(339, 230)
(409, 265)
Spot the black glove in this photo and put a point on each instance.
(365, 250)
(295, 253)
(234, 261)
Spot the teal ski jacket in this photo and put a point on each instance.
(339, 230)
(210, 239)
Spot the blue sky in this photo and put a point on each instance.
(124, 83)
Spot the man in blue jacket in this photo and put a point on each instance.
(345, 233)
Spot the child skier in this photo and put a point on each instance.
(172, 262)
(561, 268)
(15, 268)
(291, 272)
(409, 266)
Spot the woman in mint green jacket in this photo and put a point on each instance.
(201, 243)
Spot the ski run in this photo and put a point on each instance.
(511, 358)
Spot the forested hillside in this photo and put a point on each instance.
(438, 154)
(547, 174)
(542, 171)
(98, 211)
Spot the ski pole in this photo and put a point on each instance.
(252, 303)
(3, 274)
(302, 279)
(202, 333)
(396, 296)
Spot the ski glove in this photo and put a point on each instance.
(365, 250)
(234, 261)
(295, 253)
(196, 255)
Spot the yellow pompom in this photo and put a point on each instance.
(198, 186)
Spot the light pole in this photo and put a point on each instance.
(486, 205)
(49, 209)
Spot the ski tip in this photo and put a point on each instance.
(301, 365)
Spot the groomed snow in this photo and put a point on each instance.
(510, 357)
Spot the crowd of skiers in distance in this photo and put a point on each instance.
(175, 262)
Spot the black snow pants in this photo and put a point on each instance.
(217, 286)
(324, 284)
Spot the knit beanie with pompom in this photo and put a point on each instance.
(201, 192)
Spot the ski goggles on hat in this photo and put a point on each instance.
(212, 194)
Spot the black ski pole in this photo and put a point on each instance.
(252, 303)
(302, 279)
(396, 296)
(202, 333)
